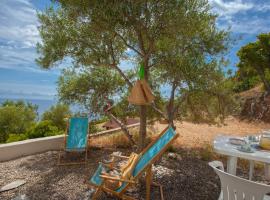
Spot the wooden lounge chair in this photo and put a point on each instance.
(236, 188)
(147, 158)
(75, 139)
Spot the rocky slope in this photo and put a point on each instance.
(255, 104)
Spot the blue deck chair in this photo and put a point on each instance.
(148, 156)
(76, 138)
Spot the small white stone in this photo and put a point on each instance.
(172, 155)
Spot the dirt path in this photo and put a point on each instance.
(196, 135)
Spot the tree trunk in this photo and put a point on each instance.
(170, 107)
(123, 127)
(143, 118)
(262, 76)
(171, 118)
(143, 113)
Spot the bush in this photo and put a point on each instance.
(93, 128)
(100, 120)
(207, 153)
(16, 137)
(171, 149)
(246, 84)
(16, 117)
(57, 114)
(43, 129)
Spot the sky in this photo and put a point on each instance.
(21, 77)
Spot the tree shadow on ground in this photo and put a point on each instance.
(187, 177)
(60, 182)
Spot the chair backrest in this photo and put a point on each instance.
(236, 188)
(153, 151)
(77, 133)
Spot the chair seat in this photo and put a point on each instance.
(96, 179)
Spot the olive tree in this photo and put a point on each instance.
(104, 33)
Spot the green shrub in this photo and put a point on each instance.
(246, 83)
(16, 117)
(171, 149)
(16, 137)
(43, 129)
(57, 115)
(100, 120)
(93, 128)
(207, 152)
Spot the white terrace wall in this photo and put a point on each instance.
(34, 146)
(28, 147)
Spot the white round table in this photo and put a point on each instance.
(224, 147)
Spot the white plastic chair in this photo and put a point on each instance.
(236, 188)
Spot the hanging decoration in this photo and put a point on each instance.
(141, 93)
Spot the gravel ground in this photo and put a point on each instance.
(183, 178)
(46, 180)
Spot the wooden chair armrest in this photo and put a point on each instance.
(116, 179)
(110, 165)
(107, 162)
(118, 156)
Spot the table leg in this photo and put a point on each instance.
(231, 165)
(251, 169)
(267, 171)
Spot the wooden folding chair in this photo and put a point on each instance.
(76, 139)
(148, 156)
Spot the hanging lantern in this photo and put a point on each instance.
(141, 93)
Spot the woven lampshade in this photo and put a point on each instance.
(141, 94)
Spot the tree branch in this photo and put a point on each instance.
(153, 105)
(124, 76)
(152, 65)
(128, 45)
(140, 39)
(117, 68)
(123, 127)
(176, 107)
